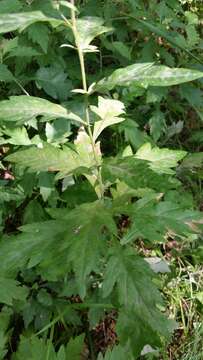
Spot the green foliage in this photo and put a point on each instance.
(145, 75)
(38, 349)
(96, 160)
(25, 108)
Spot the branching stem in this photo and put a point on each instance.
(85, 88)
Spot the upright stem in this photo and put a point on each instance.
(84, 82)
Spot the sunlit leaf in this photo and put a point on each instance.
(147, 74)
(108, 110)
(24, 108)
(161, 160)
(15, 21)
(89, 28)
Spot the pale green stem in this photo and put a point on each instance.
(84, 81)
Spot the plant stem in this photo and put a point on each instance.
(84, 81)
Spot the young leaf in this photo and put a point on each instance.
(88, 28)
(87, 159)
(17, 136)
(161, 160)
(24, 108)
(146, 75)
(108, 110)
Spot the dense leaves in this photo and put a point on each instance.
(96, 172)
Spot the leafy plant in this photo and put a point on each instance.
(73, 212)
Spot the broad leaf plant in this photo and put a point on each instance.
(84, 211)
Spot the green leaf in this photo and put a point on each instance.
(122, 49)
(8, 194)
(39, 34)
(10, 290)
(48, 158)
(161, 160)
(130, 276)
(89, 243)
(89, 28)
(75, 347)
(142, 326)
(136, 174)
(19, 21)
(118, 353)
(5, 316)
(33, 213)
(147, 74)
(37, 349)
(133, 134)
(68, 5)
(34, 349)
(54, 82)
(52, 159)
(5, 74)
(23, 51)
(33, 246)
(108, 110)
(56, 246)
(17, 136)
(24, 108)
(9, 6)
(153, 221)
(157, 125)
(165, 34)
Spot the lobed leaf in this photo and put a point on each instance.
(10, 289)
(153, 221)
(136, 174)
(108, 110)
(161, 160)
(139, 322)
(88, 28)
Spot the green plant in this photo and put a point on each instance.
(70, 259)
